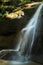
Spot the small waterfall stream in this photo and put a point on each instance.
(26, 40)
(28, 34)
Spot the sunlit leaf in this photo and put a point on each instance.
(5, 0)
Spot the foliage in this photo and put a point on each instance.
(25, 1)
(9, 5)
(18, 1)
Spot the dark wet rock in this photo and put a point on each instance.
(9, 28)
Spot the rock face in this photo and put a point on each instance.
(9, 28)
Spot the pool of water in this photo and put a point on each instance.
(11, 57)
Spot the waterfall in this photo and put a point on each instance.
(27, 34)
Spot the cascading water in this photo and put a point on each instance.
(28, 34)
(26, 39)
